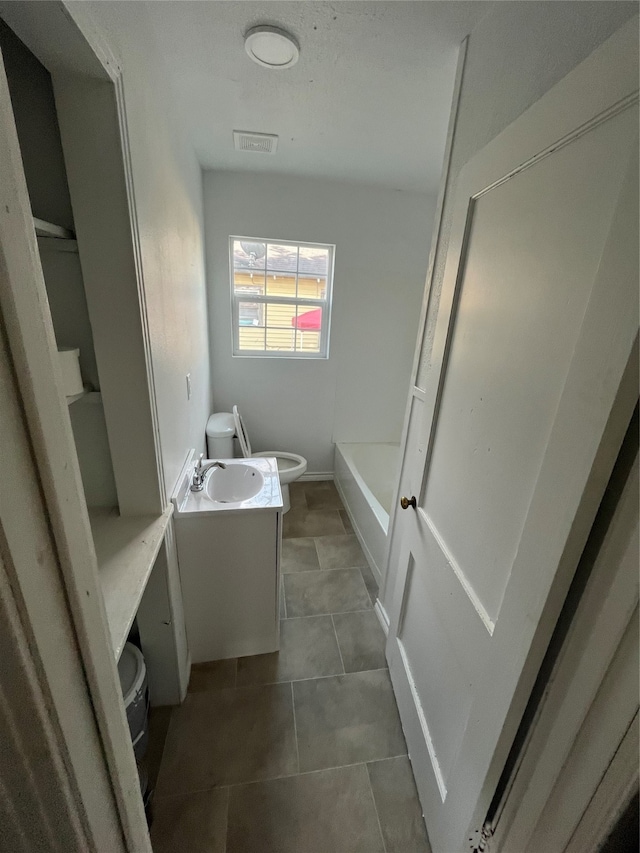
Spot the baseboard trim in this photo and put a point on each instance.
(381, 613)
(313, 476)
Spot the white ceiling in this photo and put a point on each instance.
(368, 100)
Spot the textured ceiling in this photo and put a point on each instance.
(368, 100)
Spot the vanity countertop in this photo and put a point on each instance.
(268, 497)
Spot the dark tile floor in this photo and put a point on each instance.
(300, 751)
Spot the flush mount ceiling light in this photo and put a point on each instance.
(271, 47)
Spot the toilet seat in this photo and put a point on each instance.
(241, 433)
(290, 465)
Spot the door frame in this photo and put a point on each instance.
(54, 750)
(609, 91)
(575, 700)
(103, 779)
(416, 394)
(89, 93)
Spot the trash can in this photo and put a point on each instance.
(135, 692)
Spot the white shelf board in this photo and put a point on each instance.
(89, 396)
(48, 229)
(126, 548)
(71, 398)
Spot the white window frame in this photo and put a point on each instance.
(325, 304)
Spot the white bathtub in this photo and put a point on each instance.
(365, 476)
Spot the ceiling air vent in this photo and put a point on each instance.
(257, 143)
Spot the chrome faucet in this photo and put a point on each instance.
(200, 472)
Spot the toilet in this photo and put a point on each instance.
(222, 427)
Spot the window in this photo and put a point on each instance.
(281, 297)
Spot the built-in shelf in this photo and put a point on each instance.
(71, 398)
(57, 244)
(48, 229)
(89, 396)
(126, 548)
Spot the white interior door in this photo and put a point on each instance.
(523, 413)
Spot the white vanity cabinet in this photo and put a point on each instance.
(229, 558)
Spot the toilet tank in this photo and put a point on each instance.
(221, 429)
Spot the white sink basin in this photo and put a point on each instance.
(234, 483)
(245, 485)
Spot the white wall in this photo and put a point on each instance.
(382, 242)
(168, 190)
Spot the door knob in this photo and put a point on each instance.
(405, 503)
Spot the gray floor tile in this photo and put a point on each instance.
(299, 555)
(346, 521)
(361, 641)
(297, 496)
(193, 823)
(308, 649)
(213, 675)
(313, 486)
(322, 495)
(328, 812)
(228, 736)
(340, 552)
(315, 593)
(370, 582)
(322, 522)
(346, 719)
(398, 806)
(281, 601)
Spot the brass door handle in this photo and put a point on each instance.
(405, 503)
